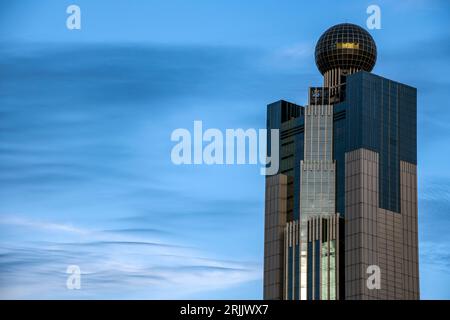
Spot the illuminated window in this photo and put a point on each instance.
(347, 45)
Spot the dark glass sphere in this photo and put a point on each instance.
(345, 46)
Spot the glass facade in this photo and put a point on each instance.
(339, 149)
(353, 110)
(324, 271)
(317, 196)
(333, 270)
(320, 260)
(288, 118)
(381, 116)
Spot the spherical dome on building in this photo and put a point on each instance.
(346, 46)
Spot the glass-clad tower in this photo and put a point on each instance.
(345, 196)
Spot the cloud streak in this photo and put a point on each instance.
(110, 268)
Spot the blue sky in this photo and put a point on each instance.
(85, 124)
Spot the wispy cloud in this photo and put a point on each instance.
(436, 254)
(297, 51)
(111, 267)
(41, 225)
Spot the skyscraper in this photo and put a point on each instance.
(342, 209)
